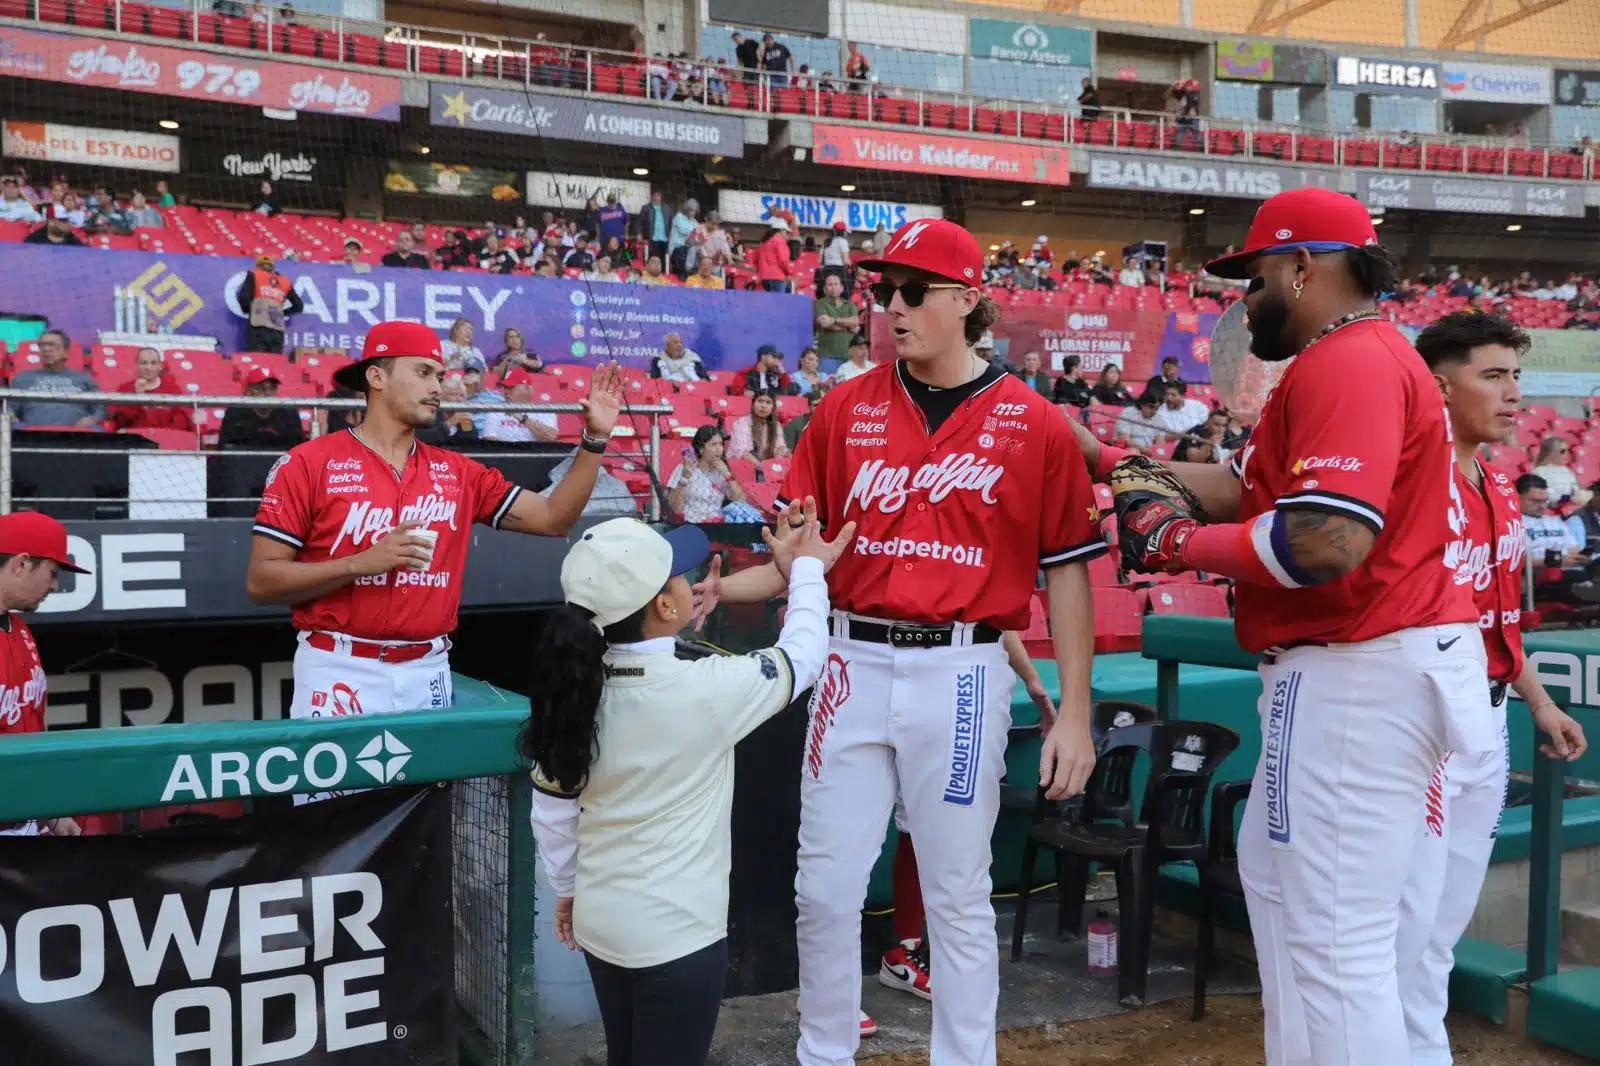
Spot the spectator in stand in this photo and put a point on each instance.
(655, 226)
(705, 276)
(653, 276)
(267, 201)
(514, 352)
(71, 210)
(1554, 465)
(405, 253)
(1584, 523)
(496, 257)
(451, 427)
(1551, 544)
(14, 207)
(658, 74)
(1034, 376)
(768, 374)
(352, 257)
(1071, 387)
(857, 364)
(1192, 450)
(458, 348)
(263, 428)
(602, 271)
(797, 425)
(1214, 431)
(1178, 413)
(677, 363)
(52, 376)
(809, 377)
(473, 372)
(985, 350)
(612, 220)
(620, 254)
(547, 268)
(836, 260)
(1137, 426)
(679, 251)
(458, 252)
(1131, 275)
(1110, 390)
(856, 68)
(836, 319)
(759, 434)
(703, 489)
(268, 301)
(164, 197)
(580, 258)
(1089, 101)
(773, 266)
(713, 242)
(748, 53)
(1168, 376)
(515, 426)
(777, 62)
(142, 215)
(150, 378)
(55, 231)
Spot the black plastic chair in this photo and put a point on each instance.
(1170, 827)
(1104, 716)
(1219, 875)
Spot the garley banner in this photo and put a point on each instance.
(318, 935)
(564, 321)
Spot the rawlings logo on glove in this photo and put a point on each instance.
(1156, 512)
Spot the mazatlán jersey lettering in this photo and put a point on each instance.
(333, 497)
(1356, 427)
(1488, 559)
(22, 683)
(952, 527)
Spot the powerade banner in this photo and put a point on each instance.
(1135, 341)
(564, 321)
(319, 935)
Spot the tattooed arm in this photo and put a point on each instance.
(1326, 546)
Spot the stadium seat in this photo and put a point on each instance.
(1118, 621)
(1206, 601)
(731, 406)
(1036, 638)
(1103, 571)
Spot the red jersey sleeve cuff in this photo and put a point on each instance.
(1078, 553)
(1334, 503)
(261, 529)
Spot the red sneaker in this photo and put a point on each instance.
(868, 1026)
(906, 968)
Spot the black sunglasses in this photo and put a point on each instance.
(912, 292)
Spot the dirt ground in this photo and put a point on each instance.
(1229, 1035)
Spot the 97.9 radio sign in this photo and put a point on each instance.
(165, 71)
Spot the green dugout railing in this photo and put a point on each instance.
(1563, 1005)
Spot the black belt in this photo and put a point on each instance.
(1497, 693)
(1270, 656)
(913, 635)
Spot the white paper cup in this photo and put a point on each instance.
(431, 536)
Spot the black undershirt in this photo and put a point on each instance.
(937, 404)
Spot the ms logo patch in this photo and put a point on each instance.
(769, 669)
(966, 737)
(1275, 741)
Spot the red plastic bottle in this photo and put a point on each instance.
(1102, 946)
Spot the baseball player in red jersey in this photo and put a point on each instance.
(1474, 359)
(963, 483)
(365, 532)
(33, 550)
(1336, 523)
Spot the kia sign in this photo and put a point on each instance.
(820, 212)
(1477, 196)
(55, 143)
(930, 153)
(1496, 84)
(1392, 77)
(592, 119)
(1196, 177)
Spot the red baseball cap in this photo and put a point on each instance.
(1318, 220)
(935, 245)
(37, 534)
(258, 373)
(386, 340)
(518, 375)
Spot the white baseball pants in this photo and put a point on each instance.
(929, 725)
(334, 684)
(1456, 838)
(1350, 736)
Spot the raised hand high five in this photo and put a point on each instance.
(604, 402)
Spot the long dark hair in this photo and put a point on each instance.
(561, 735)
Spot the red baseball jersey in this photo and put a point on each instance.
(1356, 427)
(22, 685)
(952, 526)
(333, 496)
(1488, 559)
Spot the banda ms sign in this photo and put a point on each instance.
(217, 775)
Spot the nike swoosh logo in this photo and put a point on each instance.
(1444, 645)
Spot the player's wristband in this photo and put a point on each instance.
(1110, 456)
(1256, 553)
(596, 445)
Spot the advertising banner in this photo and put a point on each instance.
(1562, 363)
(564, 321)
(1031, 42)
(1392, 77)
(821, 212)
(1241, 59)
(597, 120)
(275, 167)
(1496, 83)
(1479, 196)
(929, 153)
(196, 75)
(572, 191)
(1578, 88)
(318, 935)
(55, 143)
(1248, 181)
(451, 179)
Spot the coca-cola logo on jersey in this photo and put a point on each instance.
(872, 410)
(887, 487)
(13, 698)
(365, 524)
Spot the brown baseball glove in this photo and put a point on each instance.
(1155, 509)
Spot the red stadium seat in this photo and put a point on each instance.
(1207, 601)
(731, 406)
(1118, 620)
(1103, 571)
(1036, 638)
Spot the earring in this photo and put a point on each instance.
(1299, 287)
